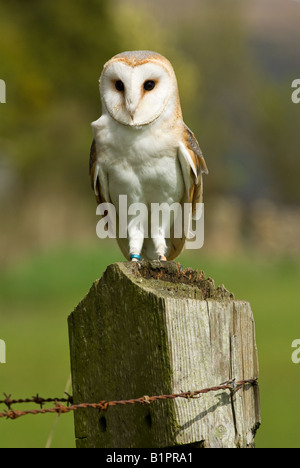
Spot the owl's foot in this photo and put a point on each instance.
(162, 258)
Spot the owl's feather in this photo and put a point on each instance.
(94, 173)
(193, 145)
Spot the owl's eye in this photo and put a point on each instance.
(119, 85)
(149, 85)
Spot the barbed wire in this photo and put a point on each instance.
(103, 405)
(35, 399)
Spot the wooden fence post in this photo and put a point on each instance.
(150, 328)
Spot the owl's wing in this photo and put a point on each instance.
(193, 145)
(193, 165)
(98, 182)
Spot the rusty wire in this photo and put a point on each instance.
(103, 405)
(35, 399)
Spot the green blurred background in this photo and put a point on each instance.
(235, 62)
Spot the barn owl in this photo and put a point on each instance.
(143, 149)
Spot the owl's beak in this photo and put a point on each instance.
(131, 112)
(131, 108)
(132, 102)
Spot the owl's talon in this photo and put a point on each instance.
(162, 258)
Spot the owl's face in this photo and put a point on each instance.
(137, 87)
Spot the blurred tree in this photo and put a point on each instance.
(247, 124)
(224, 111)
(52, 56)
(278, 122)
(52, 53)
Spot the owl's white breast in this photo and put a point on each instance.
(140, 163)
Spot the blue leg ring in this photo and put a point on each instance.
(138, 257)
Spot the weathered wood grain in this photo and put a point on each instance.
(153, 329)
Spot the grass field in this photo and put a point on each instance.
(38, 294)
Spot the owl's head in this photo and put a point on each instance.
(138, 87)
